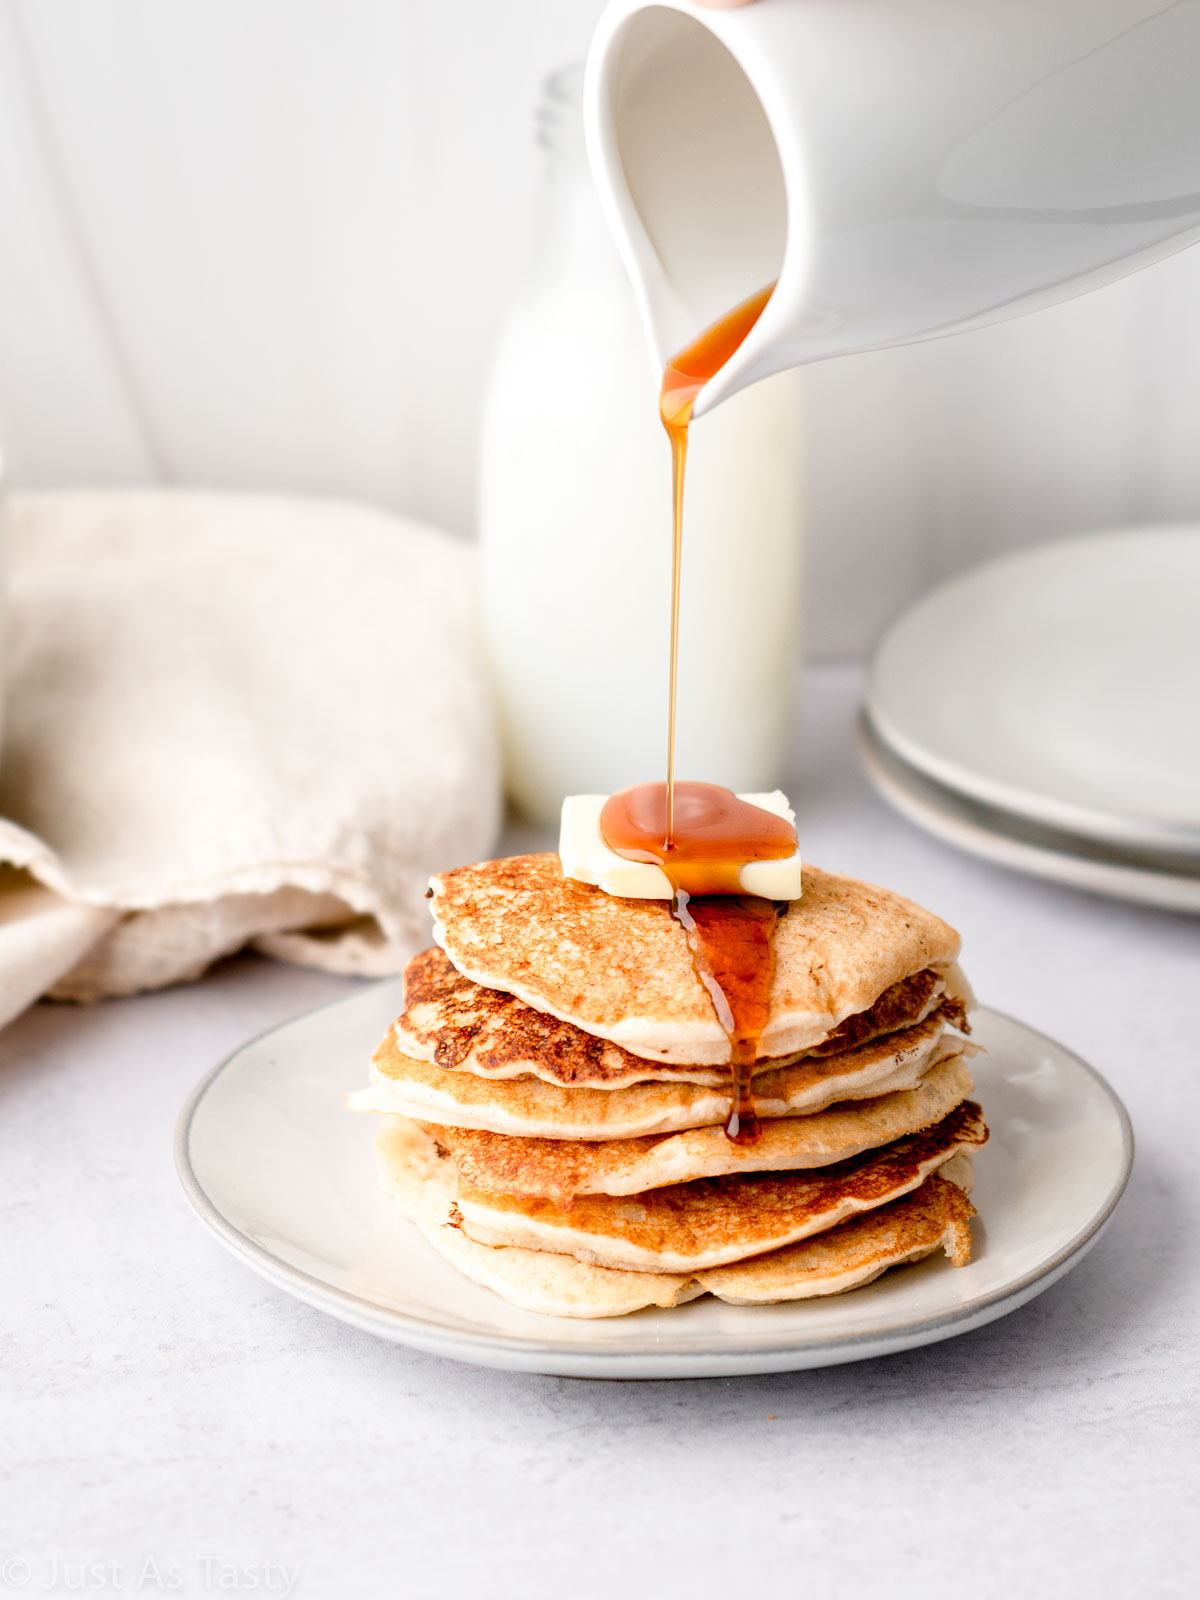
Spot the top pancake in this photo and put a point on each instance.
(620, 969)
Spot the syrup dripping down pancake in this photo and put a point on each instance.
(621, 969)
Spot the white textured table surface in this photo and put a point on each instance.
(174, 1424)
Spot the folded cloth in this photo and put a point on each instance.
(230, 719)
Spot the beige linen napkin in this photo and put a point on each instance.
(230, 719)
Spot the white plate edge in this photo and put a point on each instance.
(1165, 891)
(521, 1354)
(1095, 823)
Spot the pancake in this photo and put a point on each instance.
(450, 1020)
(692, 1226)
(558, 1170)
(530, 1108)
(423, 1184)
(621, 970)
(934, 1216)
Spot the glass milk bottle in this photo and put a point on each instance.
(575, 526)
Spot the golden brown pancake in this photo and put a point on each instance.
(934, 1216)
(531, 1108)
(693, 1226)
(462, 1026)
(423, 1184)
(621, 970)
(558, 1170)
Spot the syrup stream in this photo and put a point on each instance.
(684, 377)
(702, 841)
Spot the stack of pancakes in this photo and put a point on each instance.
(555, 1092)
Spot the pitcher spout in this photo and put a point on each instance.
(899, 172)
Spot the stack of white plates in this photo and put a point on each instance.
(1044, 712)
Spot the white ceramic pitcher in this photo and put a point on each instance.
(903, 168)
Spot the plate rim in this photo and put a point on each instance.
(534, 1354)
(947, 815)
(1092, 822)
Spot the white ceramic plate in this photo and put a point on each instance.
(1026, 847)
(1060, 684)
(287, 1180)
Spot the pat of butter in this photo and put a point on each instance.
(585, 856)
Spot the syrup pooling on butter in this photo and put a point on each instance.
(714, 835)
(728, 932)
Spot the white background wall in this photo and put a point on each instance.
(270, 243)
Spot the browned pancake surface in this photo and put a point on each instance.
(462, 1026)
(561, 1169)
(717, 1220)
(533, 1108)
(935, 1215)
(620, 969)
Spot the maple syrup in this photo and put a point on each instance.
(731, 940)
(729, 933)
(683, 378)
(701, 834)
(714, 834)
